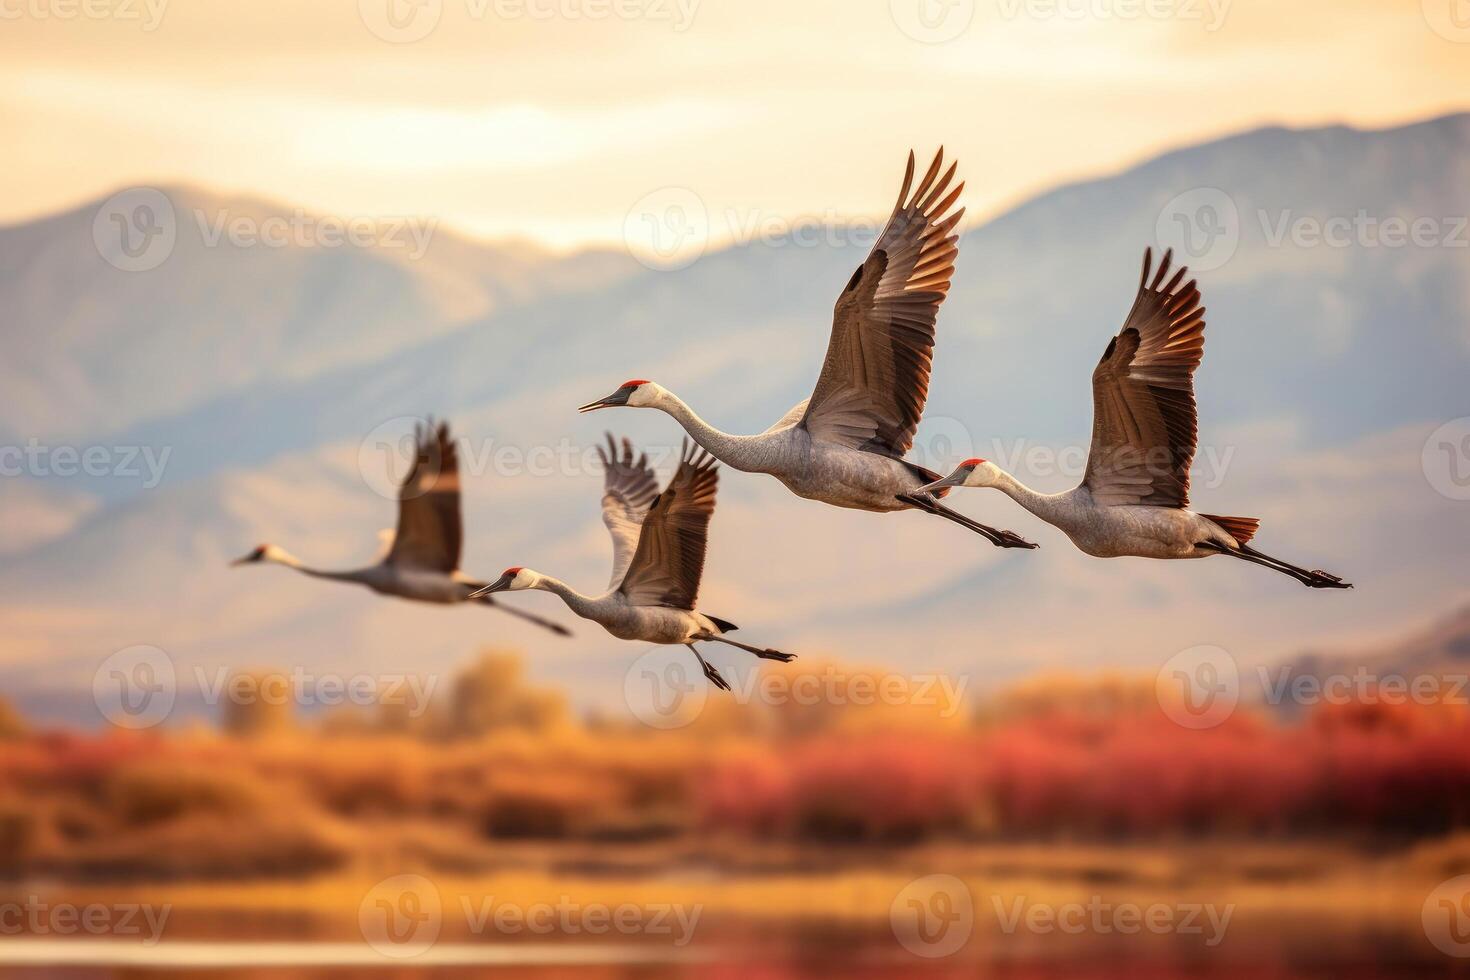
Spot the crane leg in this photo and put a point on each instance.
(765, 653)
(1001, 539)
(709, 671)
(1313, 579)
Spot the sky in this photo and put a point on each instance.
(551, 120)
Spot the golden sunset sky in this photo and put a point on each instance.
(550, 119)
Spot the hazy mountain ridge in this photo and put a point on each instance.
(99, 348)
(263, 450)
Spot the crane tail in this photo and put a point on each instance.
(1242, 529)
(724, 625)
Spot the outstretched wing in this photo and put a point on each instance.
(875, 379)
(430, 532)
(1144, 422)
(628, 487)
(666, 567)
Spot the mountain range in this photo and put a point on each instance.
(265, 382)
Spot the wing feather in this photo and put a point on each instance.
(1145, 424)
(430, 530)
(875, 378)
(628, 488)
(667, 566)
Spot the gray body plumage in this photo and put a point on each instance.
(824, 471)
(1122, 530)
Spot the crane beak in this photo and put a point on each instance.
(499, 585)
(616, 400)
(953, 480)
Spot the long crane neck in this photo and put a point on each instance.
(739, 452)
(1054, 508)
(283, 557)
(583, 605)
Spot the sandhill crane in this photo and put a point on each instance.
(845, 444)
(422, 562)
(1134, 496)
(658, 557)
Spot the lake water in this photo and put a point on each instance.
(1283, 950)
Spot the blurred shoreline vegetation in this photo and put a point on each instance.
(495, 773)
